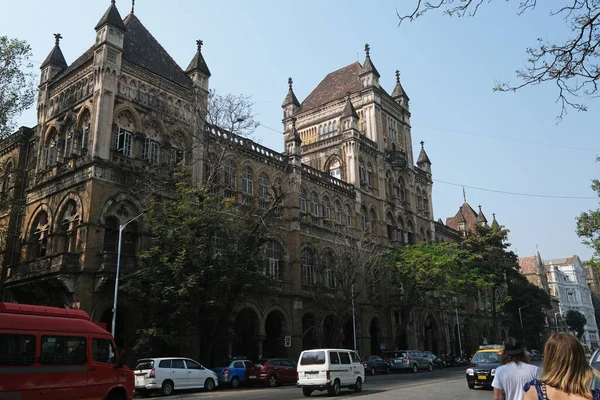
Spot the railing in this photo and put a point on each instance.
(326, 177)
(397, 158)
(64, 262)
(325, 142)
(107, 261)
(245, 143)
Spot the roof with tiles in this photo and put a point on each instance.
(562, 261)
(334, 86)
(142, 49)
(528, 265)
(469, 215)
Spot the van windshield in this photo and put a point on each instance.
(312, 358)
(145, 364)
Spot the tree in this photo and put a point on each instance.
(16, 82)
(588, 223)
(576, 322)
(572, 63)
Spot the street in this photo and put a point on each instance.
(448, 383)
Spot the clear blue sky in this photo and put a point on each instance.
(448, 67)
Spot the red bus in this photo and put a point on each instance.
(55, 353)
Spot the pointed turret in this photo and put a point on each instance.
(290, 106)
(112, 18)
(290, 98)
(369, 75)
(423, 161)
(495, 224)
(198, 63)
(349, 117)
(399, 95)
(481, 220)
(349, 110)
(54, 63)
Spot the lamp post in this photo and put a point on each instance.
(556, 320)
(458, 327)
(353, 318)
(114, 316)
(521, 319)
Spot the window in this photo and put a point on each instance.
(103, 351)
(303, 201)
(193, 365)
(17, 349)
(161, 364)
(326, 210)
(174, 157)
(363, 216)
(571, 297)
(307, 259)
(402, 189)
(373, 220)
(335, 126)
(390, 185)
(238, 364)
(344, 357)
(6, 182)
(314, 204)
(348, 216)
(69, 144)
(356, 358)
(247, 181)
(334, 357)
(263, 187)
(337, 211)
(419, 199)
(273, 259)
(177, 364)
(85, 136)
(313, 358)
(151, 151)
(63, 350)
(370, 175)
(362, 172)
(230, 179)
(52, 153)
(123, 141)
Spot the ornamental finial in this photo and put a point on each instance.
(199, 43)
(57, 37)
(290, 82)
(367, 49)
(132, 6)
(397, 76)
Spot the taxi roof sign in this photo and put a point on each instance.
(491, 347)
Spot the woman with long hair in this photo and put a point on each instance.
(566, 373)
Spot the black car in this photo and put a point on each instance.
(483, 368)
(376, 364)
(437, 362)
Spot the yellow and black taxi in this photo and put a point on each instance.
(483, 366)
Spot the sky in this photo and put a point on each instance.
(474, 137)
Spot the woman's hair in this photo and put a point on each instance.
(565, 366)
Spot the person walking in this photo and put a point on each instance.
(514, 373)
(566, 372)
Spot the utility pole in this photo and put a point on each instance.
(458, 327)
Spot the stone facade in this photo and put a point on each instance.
(348, 154)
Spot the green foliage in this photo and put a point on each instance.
(205, 255)
(588, 223)
(576, 322)
(441, 271)
(16, 82)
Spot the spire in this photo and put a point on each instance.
(55, 58)
(133, 6)
(291, 97)
(495, 224)
(198, 62)
(423, 159)
(112, 17)
(368, 66)
(398, 90)
(464, 195)
(349, 110)
(481, 220)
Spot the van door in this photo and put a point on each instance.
(101, 366)
(347, 368)
(179, 375)
(335, 366)
(196, 374)
(358, 370)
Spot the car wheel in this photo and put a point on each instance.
(358, 385)
(235, 382)
(272, 381)
(415, 368)
(306, 392)
(471, 386)
(209, 384)
(430, 367)
(167, 388)
(372, 370)
(335, 389)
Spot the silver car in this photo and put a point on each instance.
(412, 360)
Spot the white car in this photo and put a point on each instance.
(331, 370)
(173, 373)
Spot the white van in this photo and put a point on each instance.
(331, 370)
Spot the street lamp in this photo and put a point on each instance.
(114, 316)
(521, 319)
(353, 318)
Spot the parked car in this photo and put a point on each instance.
(166, 375)
(233, 372)
(437, 362)
(483, 367)
(412, 360)
(273, 372)
(331, 370)
(375, 364)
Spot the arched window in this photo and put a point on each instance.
(373, 218)
(307, 260)
(335, 169)
(390, 184)
(314, 204)
(7, 178)
(402, 189)
(273, 260)
(362, 171)
(38, 245)
(422, 235)
(52, 149)
(335, 126)
(67, 228)
(400, 231)
(370, 181)
(320, 130)
(326, 210)
(129, 240)
(303, 201)
(391, 229)
(337, 212)
(425, 202)
(419, 199)
(363, 216)
(247, 186)
(263, 187)
(230, 179)
(111, 234)
(348, 215)
(329, 268)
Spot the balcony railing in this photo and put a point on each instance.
(397, 159)
(64, 262)
(107, 261)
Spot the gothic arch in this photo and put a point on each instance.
(42, 207)
(334, 158)
(287, 321)
(125, 108)
(50, 131)
(82, 114)
(256, 309)
(111, 202)
(68, 197)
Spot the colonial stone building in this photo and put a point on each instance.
(348, 153)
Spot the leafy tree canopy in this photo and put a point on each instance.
(576, 322)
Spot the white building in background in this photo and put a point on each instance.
(567, 280)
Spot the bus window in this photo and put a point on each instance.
(17, 349)
(63, 350)
(103, 351)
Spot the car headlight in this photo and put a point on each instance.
(470, 371)
(493, 372)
